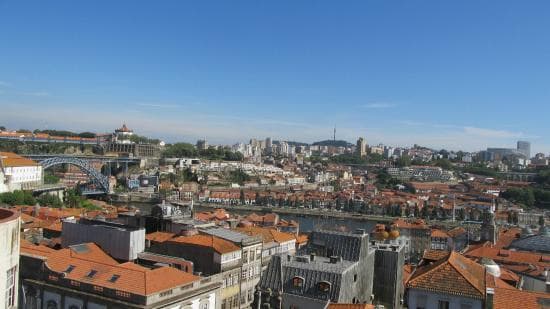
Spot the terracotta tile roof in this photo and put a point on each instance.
(457, 231)
(302, 238)
(218, 244)
(513, 298)
(434, 255)
(159, 236)
(505, 237)
(56, 227)
(268, 234)
(501, 256)
(132, 278)
(35, 250)
(454, 275)
(10, 159)
(436, 233)
(407, 271)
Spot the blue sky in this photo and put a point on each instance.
(452, 74)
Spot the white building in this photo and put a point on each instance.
(9, 257)
(18, 173)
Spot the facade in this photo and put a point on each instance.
(251, 260)
(211, 256)
(120, 241)
(415, 235)
(18, 173)
(83, 276)
(388, 289)
(9, 257)
(274, 242)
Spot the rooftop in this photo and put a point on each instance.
(220, 245)
(10, 159)
(454, 275)
(88, 264)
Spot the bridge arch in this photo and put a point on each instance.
(98, 179)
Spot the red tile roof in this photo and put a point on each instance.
(512, 298)
(132, 278)
(455, 275)
(159, 236)
(218, 244)
(10, 159)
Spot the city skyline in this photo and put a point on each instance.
(395, 74)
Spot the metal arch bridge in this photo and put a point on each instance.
(100, 181)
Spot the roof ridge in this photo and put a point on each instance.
(466, 277)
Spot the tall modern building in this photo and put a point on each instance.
(525, 148)
(361, 147)
(202, 144)
(268, 145)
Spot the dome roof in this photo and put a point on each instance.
(491, 266)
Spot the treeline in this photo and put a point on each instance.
(537, 195)
(19, 197)
(73, 199)
(182, 150)
(42, 148)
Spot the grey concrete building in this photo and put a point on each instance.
(120, 241)
(388, 289)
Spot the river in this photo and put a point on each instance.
(307, 223)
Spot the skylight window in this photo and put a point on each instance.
(69, 269)
(114, 278)
(92, 273)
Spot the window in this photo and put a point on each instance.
(355, 278)
(69, 269)
(465, 306)
(244, 272)
(324, 286)
(51, 304)
(92, 273)
(166, 293)
(114, 278)
(252, 255)
(245, 256)
(443, 304)
(298, 282)
(236, 301)
(10, 287)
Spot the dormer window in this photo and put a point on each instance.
(298, 282)
(323, 286)
(92, 273)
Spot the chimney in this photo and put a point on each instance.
(312, 257)
(490, 293)
(335, 259)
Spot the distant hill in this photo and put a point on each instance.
(329, 142)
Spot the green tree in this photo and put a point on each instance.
(403, 161)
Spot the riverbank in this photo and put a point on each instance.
(299, 212)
